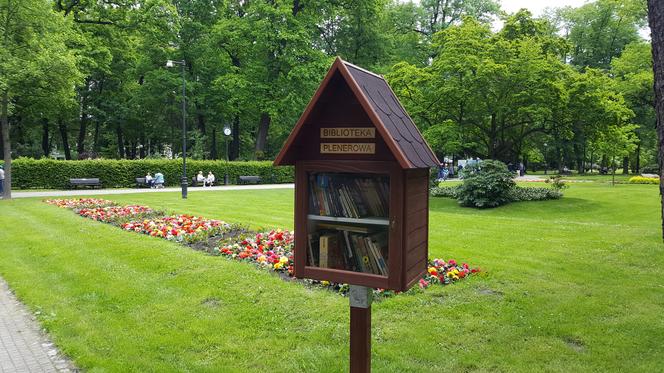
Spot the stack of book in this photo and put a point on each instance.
(350, 248)
(348, 196)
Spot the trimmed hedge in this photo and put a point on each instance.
(53, 174)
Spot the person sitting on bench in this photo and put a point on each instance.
(200, 179)
(149, 180)
(209, 180)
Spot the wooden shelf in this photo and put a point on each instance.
(337, 219)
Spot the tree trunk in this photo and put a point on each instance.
(235, 144)
(6, 146)
(95, 140)
(261, 136)
(142, 147)
(625, 165)
(121, 150)
(80, 145)
(133, 146)
(62, 126)
(656, 21)
(213, 150)
(45, 143)
(637, 166)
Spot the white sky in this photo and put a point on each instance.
(537, 6)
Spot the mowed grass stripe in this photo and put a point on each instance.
(122, 292)
(572, 285)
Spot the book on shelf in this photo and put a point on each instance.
(344, 227)
(330, 253)
(313, 259)
(348, 196)
(349, 247)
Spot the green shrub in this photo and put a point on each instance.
(485, 184)
(445, 191)
(556, 182)
(519, 194)
(643, 180)
(53, 174)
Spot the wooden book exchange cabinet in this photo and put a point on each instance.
(361, 184)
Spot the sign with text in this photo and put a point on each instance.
(347, 148)
(348, 133)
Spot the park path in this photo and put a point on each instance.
(23, 347)
(94, 192)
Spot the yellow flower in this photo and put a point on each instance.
(325, 283)
(278, 265)
(432, 269)
(283, 260)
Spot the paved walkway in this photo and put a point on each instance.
(94, 192)
(23, 347)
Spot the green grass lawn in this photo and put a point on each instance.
(575, 284)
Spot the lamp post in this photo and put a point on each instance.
(183, 182)
(546, 165)
(227, 134)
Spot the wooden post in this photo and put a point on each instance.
(360, 329)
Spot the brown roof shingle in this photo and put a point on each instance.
(394, 117)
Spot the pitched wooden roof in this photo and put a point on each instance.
(385, 111)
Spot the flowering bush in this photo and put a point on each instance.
(80, 203)
(181, 228)
(445, 191)
(519, 194)
(643, 180)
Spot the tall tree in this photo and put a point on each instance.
(656, 21)
(633, 77)
(599, 30)
(33, 55)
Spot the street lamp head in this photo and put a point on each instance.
(227, 130)
(169, 63)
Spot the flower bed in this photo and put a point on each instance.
(274, 251)
(271, 250)
(80, 203)
(442, 272)
(113, 214)
(181, 228)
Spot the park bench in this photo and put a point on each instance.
(249, 180)
(91, 182)
(140, 182)
(196, 183)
